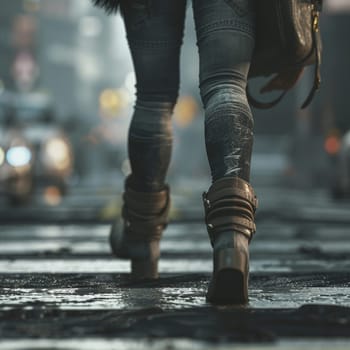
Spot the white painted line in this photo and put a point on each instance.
(176, 344)
(165, 266)
(167, 245)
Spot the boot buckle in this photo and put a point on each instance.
(206, 201)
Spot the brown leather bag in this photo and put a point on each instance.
(287, 40)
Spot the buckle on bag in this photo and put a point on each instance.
(315, 22)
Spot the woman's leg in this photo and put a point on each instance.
(225, 34)
(155, 37)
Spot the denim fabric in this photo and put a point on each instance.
(225, 39)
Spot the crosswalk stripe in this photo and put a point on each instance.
(168, 245)
(166, 265)
(183, 344)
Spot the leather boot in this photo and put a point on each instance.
(229, 205)
(136, 236)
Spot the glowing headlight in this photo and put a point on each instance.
(2, 156)
(57, 154)
(19, 156)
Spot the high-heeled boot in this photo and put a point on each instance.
(136, 235)
(229, 205)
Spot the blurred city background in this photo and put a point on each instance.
(66, 98)
(67, 93)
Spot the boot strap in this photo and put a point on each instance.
(234, 220)
(229, 187)
(160, 218)
(244, 210)
(143, 232)
(145, 215)
(229, 205)
(146, 202)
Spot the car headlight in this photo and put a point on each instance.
(57, 154)
(18, 156)
(2, 156)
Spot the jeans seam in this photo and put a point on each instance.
(234, 25)
(154, 44)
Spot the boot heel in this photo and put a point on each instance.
(229, 284)
(230, 205)
(144, 269)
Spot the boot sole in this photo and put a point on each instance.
(228, 287)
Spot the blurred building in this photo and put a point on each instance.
(79, 56)
(18, 46)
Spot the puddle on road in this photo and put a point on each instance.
(115, 299)
(170, 344)
(164, 298)
(297, 298)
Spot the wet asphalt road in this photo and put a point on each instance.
(61, 288)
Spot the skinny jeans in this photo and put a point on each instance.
(225, 39)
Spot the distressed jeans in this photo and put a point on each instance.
(225, 39)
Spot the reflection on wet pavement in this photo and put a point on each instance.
(60, 281)
(183, 344)
(166, 298)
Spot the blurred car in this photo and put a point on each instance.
(35, 152)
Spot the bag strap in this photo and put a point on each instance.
(317, 72)
(264, 105)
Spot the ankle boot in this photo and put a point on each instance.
(136, 236)
(229, 206)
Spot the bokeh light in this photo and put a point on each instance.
(52, 196)
(185, 111)
(111, 101)
(19, 156)
(58, 154)
(332, 145)
(2, 156)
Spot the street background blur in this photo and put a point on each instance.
(67, 92)
(66, 98)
